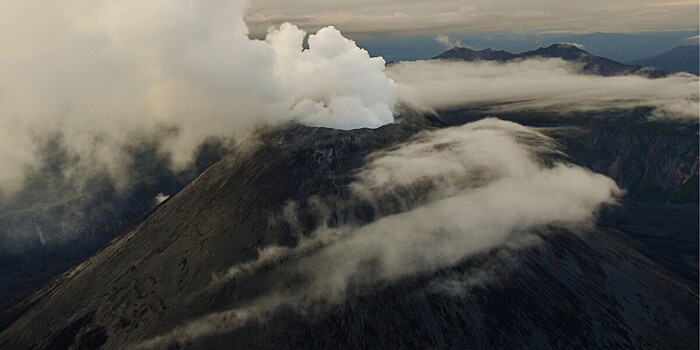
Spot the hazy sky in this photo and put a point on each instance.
(410, 17)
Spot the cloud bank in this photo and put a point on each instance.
(541, 84)
(487, 184)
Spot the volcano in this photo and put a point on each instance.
(169, 283)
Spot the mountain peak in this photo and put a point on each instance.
(467, 54)
(564, 51)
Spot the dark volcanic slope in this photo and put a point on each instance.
(590, 64)
(590, 290)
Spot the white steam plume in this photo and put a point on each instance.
(333, 83)
(541, 84)
(448, 42)
(488, 188)
(101, 72)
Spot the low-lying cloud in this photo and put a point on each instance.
(486, 184)
(542, 85)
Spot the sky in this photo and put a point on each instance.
(625, 31)
(413, 17)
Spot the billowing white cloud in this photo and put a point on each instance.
(487, 186)
(540, 84)
(333, 83)
(103, 73)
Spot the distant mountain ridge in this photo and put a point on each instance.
(684, 58)
(591, 64)
(467, 54)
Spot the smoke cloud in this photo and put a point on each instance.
(486, 184)
(97, 72)
(103, 76)
(543, 85)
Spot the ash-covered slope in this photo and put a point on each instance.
(160, 285)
